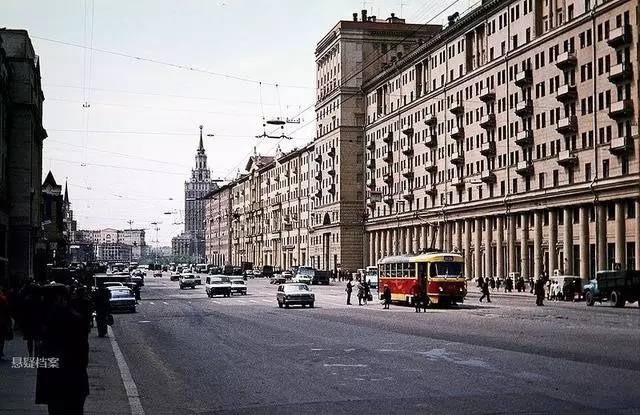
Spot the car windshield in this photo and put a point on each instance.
(238, 282)
(120, 293)
(216, 282)
(296, 287)
(445, 269)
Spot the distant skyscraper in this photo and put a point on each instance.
(195, 189)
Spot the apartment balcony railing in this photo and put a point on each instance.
(488, 149)
(566, 93)
(430, 120)
(524, 138)
(430, 139)
(431, 166)
(524, 108)
(567, 125)
(457, 133)
(524, 168)
(388, 138)
(567, 159)
(457, 107)
(488, 121)
(621, 145)
(488, 177)
(487, 95)
(457, 158)
(524, 78)
(620, 73)
(388, 157)
(566, 60)
(620, 36)
(621, 109)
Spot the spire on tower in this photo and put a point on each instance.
(201, 146)
(66, 194)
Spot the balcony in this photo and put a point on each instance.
(524, 138)
(620, 36)
(388, 199)
(371, 183)
(371, 144)
(371, 203)
(566, 60)
(488, 177)
(388, 157)
(276, 178)
(567, 125)
(318, 194)
(388, 138)
(407, 172)
(621, 145)
(388, 178)
(431, 166)
(407, 150)
(332, 189)
(567, 159)
(318, 176)
(457, 133)
(566, 93)
(331, 171)
(318, 158)
(621, 109)
(524, 108)
(524, 78)
(457, 182)
(332, 152)
(621, 72)
(371, 164)
(488, 149)
(487, 95)
(457, 158)
(524, 168)
(430, 120)
(407, 195)
(430, 140)
(488, 121)
(431, 189)
(457, 107)
(408, 131)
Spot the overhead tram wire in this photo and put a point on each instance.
(169, 64)
(365, 66)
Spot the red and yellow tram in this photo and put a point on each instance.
(439, 274)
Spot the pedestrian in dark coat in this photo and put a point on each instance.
(103, 309)
(539, 291)
(485, 291)
(492, 283)
(367, 291)
(480, 281)
(64, 340)
(386, 296)
(415, 293)
(349, 289)
(5, 321)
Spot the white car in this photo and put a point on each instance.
(289, 294)
(187, 280)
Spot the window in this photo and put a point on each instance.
(587, 172)
(605, 168)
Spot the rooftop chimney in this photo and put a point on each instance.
(355, 17)
(364, 15)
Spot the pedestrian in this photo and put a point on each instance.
(492, 283)
(485, 291)
(386, 296)
(415, 294)
(498, 283)
(360, 287)
(82, 305)
(539, 291)
(6, 330)
(480, 281)
(367, 290)
(29, 316)
(103, 310)
(64, 387)
(424, 299)
(531, 284)
(348, 290)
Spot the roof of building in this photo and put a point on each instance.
(50, 180)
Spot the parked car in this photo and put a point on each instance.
(238, 286)
(257, 272)
(217, 286)
(122, 298)
(287, 274)
(303, 277)
(277, 279)
(157, 274)
(137, 279)
(267, 271)
(112, 284)
(174, 276)
(187, 280)
(248, 273)
(198, 279)
(615, 286)
(294, 293)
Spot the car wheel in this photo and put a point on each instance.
(589, 298)
(311, 305)
(303, 305)
(181, 287)
(286, 305)
(617, 299)
(279, 304)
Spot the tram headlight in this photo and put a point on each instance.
(440, 289)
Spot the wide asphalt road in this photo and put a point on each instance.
(189, 354)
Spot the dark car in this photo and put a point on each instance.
(267, 271)
(299, 294)
(122, 299)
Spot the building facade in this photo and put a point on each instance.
(350, 53)
(114, 241)
(22, 251)
(512, 137)
(53, 221)
(195, 190)
(217, 229)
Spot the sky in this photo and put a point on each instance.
(128, 83)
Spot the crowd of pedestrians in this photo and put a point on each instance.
(55, 321)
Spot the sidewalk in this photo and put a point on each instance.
(106, 391)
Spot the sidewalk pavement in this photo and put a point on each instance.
(106, 391)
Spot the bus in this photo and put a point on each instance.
(440, 274)
(371, 275)
(201, 268)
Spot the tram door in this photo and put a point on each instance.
(423, 277)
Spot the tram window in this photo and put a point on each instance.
(445, 269)
(405, 270)
(392, 271)
(412, 271)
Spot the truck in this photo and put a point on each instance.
(615, 286)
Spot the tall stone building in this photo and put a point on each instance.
(350, 53)
(195, 190)
(53, 221)
(217, 229)
(512, 137)
(22, 253)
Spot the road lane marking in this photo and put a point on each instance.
(267, 301)
(217, 302)
(343, 365)
(253, 301)
(129, 385)
(144, 321)
(165, 303)
(152, 303)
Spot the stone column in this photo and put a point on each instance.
(467, 248)
(601, 236)
(488, 256)
(432, 236)
(459, 228)
(499, 243)
(553, 241)
(524, 246)
(440, 244)
(637, 223)
(388, 250)
(449, 235)
(567, 241)
(584, 243)
(620, 235)
(511, 243)
(537, 243)
(425, 234)
(415, 240)
(394, 242)
(477, 254)
(408, 236)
